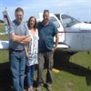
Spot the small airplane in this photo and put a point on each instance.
(73, 35)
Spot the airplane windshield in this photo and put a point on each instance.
(55, 22)
(68, 21)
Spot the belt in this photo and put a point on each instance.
(12, 50)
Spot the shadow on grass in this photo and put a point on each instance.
(5, 77)
(61, 62)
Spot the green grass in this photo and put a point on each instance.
(3, 53)
(82, 58)
(4, 56)
(70, 81)
(2, 27)
(66, 80)
(4, 37)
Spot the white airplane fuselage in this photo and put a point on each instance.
(78, 37)
(73, 34)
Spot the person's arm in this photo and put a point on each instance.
(56, 36)
(26, 40)
(56, 40)
(20, 39)
(26, 50)
(17, 38)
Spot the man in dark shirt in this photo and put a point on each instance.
(47, 31)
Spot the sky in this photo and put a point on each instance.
(79, 9)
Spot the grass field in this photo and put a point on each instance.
(73, 75)
(1, 27)
(4, 53)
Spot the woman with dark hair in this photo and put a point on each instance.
(32, 52)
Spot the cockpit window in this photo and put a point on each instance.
(55, 22)
(68, 21)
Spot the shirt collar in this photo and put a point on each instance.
(46, 24)
(17, 22)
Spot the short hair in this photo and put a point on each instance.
(19, 9)
(28, 24)
(46, 11)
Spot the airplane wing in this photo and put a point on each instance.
(4, 33)
(4, 44)
(63, 46)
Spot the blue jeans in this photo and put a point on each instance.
(30, 75)
(17, 67)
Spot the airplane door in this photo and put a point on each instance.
(73, 36)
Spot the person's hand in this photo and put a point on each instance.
(27, 39)
(54, 49)
(27, 56)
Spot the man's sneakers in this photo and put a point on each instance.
(49, 87)
(30, 88)
(39, 87)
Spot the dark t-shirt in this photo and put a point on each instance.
(46, 36)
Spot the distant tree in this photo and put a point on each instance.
(85, 22)
(1, 21)
(90, 22)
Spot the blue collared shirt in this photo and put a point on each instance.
(18, 29)
(46, 36)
